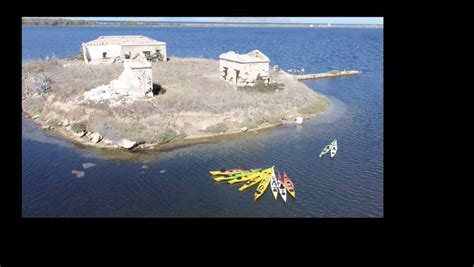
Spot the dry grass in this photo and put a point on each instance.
(192, 86)
(68, 82)
(318, 106)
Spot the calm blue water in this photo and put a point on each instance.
(351, 185)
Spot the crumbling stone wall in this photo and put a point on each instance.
(95, 54)
(243, 74)
(244, 69)
(136, 81)
(106, 49)
(133, 49)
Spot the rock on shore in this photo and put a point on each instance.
(125, 143)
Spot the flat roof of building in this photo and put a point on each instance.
(254, 56)
(124, 40)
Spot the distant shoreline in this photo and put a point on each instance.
(64, 22)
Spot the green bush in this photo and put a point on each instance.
(249, 124)
(42, 116)
(333, 72)
(167, 136)
(80, 56)
(318, 106)
(274, 120)
(79, 127)
(170, 135)
(309, 109)
(53, 122)
(217, 128)
(36, 110)
(260, 86)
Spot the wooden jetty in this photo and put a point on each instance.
(333, 73)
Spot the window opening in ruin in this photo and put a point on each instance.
(237, 72)
(225, 73)
(158, 55)
(104, 54)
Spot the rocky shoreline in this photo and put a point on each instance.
(95, 139)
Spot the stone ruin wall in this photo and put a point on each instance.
(136, 81)
(247, 72)
(94, 54)
(134, 49)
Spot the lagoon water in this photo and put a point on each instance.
(176, 183)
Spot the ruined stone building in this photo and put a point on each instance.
(244, 69)
(136, 81)
(107, 49)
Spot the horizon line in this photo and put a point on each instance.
(231, 20)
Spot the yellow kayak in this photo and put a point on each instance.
(263, 185)
(248, 177)
(228, 172)
(253, 182)
(227, 178)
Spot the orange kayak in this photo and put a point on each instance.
(289, 185)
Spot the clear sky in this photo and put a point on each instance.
(340, 20)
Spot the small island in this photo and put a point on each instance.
(189, 98)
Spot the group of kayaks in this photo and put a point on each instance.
(332, 147)
(280, 183)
